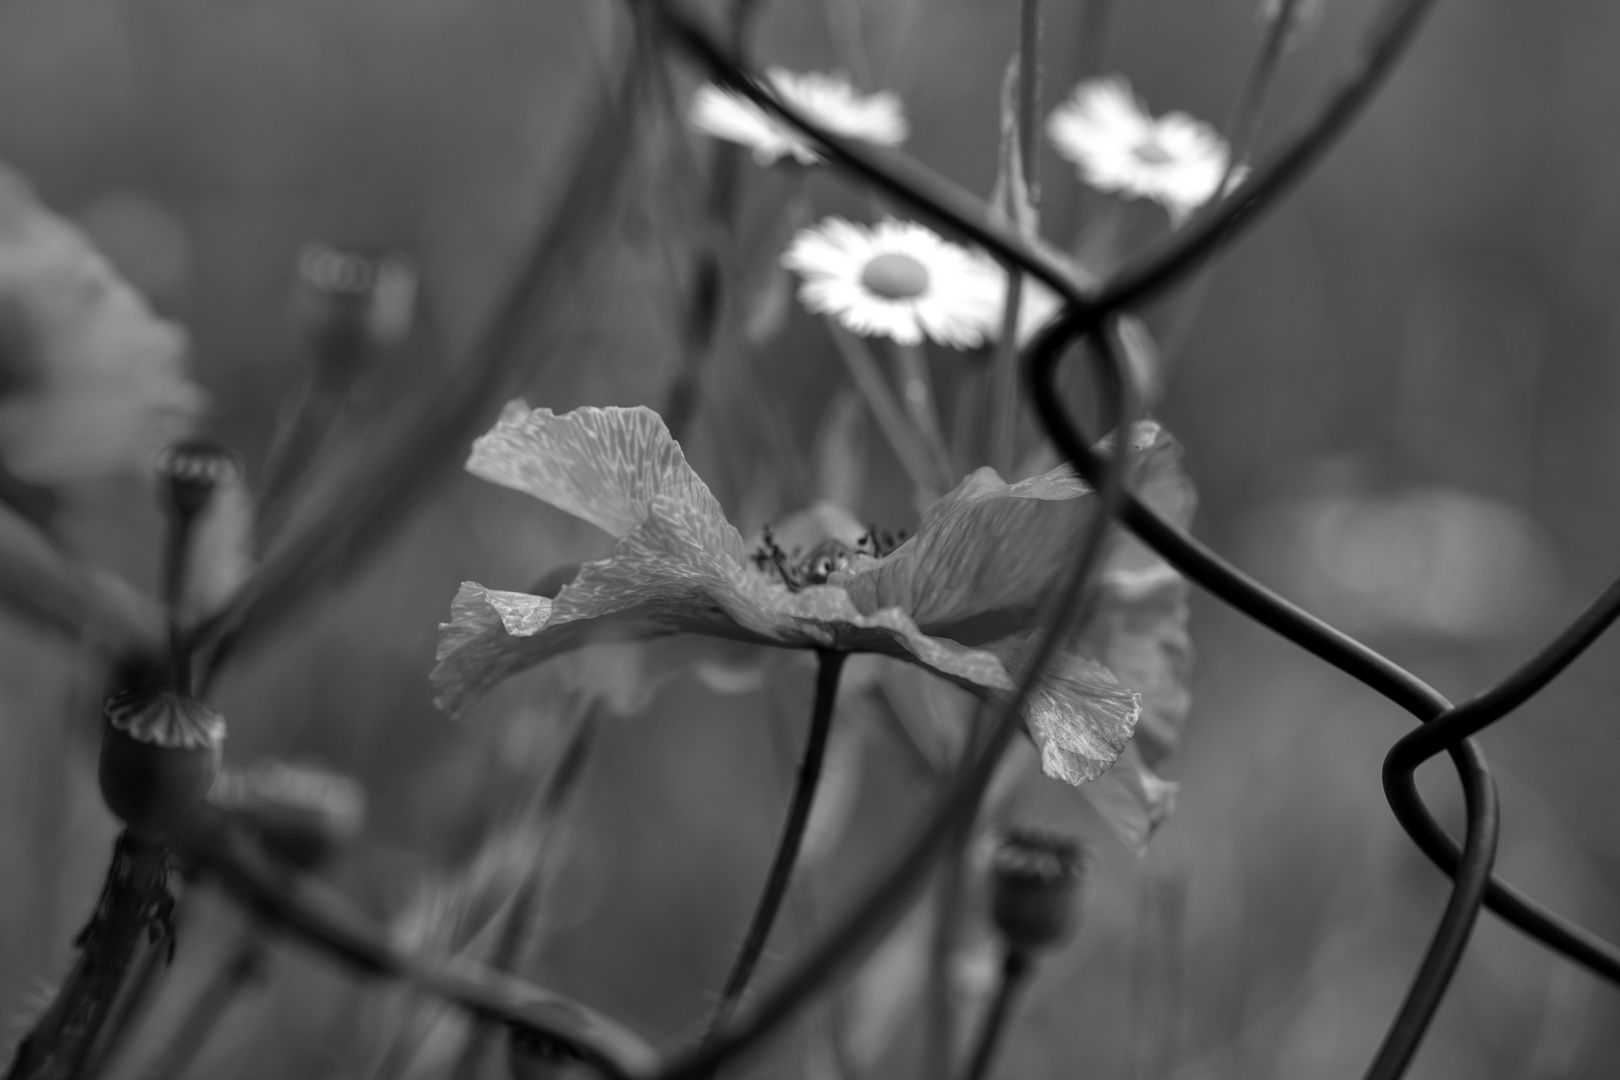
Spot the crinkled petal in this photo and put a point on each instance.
(662, 578)
(1080, 714)
(989, 553)
(1137, 627)
(605, 465)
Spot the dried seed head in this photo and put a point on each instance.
(350, 301)
(302, 812)
(160, 753)
(1035, 882)
(190, 471)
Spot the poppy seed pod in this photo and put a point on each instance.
(531, 1057)
(160, 753)
(191, 470)
(349, 301)
(301, 812)
(1035, 881)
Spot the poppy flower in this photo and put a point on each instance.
(959, 598)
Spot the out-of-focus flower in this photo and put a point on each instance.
(897, 279)
(1176, 160)
(90, 379)
(828, 99)
(960, 598)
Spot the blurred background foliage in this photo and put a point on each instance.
(1397, 399)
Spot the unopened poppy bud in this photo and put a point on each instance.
(301, 812)
(191, 470)
(1035, 882)
(349, 301)
(533, 1057)
(160, 753)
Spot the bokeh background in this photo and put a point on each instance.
(1397, 398)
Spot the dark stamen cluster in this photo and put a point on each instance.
(798, 568)
(879, 542)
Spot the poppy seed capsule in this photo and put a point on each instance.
(1035, 881)
(160, 753)
(349, 301)
(301, 812)
(191, 470)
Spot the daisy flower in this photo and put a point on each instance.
(897, 279)
(92, 379)
(959, 598)
(1176, 160)
(829, 100)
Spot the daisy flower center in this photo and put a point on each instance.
(1150, 151)
(895, 276)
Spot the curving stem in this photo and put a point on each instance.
(1015, 969)
(829, 665)
(133, 901)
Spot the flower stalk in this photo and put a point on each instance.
(133, 904)
(917, 390)
(1019, 168)
(1016, 965)
(829, 665)
(863, 368)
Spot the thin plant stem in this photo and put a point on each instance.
(1020, 165)
(293, 449)
(207, 1007)
(829, 665)
(917, 391)
(310, 910)
(863, 368)
(136, 997)
(1243, 133)
(939, 1052)
(1096, 17)
(1015, 969)
(59, 1045)
(176, 553)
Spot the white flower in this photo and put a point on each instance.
(897, 279)
(90, 379)
(1105, 129)
(829, 100)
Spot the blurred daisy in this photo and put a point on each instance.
(1176, 160)
(829, 100)
(959, 598)
(898, 280)
(90, 379)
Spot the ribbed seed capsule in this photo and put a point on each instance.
(191, 470)
(349, 301)
(160, 753)
(301, 812)
(1035, 882)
